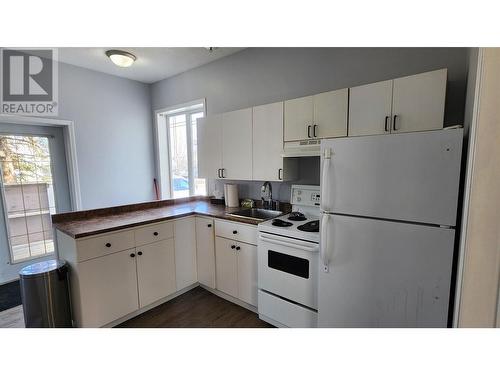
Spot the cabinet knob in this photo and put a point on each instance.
(233, 246)
(155, 233)
(132, 255)
(108, 244)
(209, 225)
(238, 248)
(139, 253)
(314, 131)
(235, 232)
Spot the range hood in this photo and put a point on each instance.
(309, 147)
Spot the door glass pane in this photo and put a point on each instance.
(28, 194)
(179, 156)
(200, 187)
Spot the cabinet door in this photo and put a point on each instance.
(247, 273)
(298, 116)
(237, 144)
(226, 266)
(268, 142)
(209, 138)
(185, 252)
(330, 114)
(155, 271)
(370, 109)
(418, 102)
(205, 250)
(108, 288)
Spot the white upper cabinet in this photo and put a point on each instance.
(268, 164)
(407, 104)
(237, 144)
(268, 142)
(418, 102)
(370, 109)
(298, 118)
(209, 137)
(330, 114)
(319, 116)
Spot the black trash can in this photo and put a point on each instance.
(45, 294)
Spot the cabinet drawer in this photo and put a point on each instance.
(153, 233)
(103, 245)
(235, 231)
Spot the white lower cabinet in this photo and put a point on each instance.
(155, 271)
(205, 251)
(226, 266)
(108, 288)
(247, 273)
(185, 252)
(116, 274)
(236, 262)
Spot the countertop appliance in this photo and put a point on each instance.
(288, 249)
(388, 216)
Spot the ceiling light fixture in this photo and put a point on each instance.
(121, 58)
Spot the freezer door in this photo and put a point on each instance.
(411, 177)
(385, 274)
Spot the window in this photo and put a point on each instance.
(180, 172)
(28, 194)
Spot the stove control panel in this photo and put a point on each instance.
(305, 195)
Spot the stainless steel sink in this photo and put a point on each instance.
(256, 214)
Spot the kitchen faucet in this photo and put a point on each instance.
(266, 192)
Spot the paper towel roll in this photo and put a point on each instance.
(231, 195)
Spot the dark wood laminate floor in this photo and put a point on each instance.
(197, 308)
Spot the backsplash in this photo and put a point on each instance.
(309, 174)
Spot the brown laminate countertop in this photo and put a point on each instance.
(78, 227)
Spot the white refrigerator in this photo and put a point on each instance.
(388, 216)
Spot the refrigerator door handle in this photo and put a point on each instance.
(327, 154)
(323, 246)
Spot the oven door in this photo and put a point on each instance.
(288, 268)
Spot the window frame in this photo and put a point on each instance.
(163, 155)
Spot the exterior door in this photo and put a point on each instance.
(370, 109)
(384, 274)
(34, 185)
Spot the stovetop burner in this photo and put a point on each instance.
(312, 226)
(281, 223)
(296, 216)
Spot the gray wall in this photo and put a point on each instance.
(114, 135)
(114, 141)
(257, 76)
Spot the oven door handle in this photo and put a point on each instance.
(288, 242)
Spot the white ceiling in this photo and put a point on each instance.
(152, 64)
